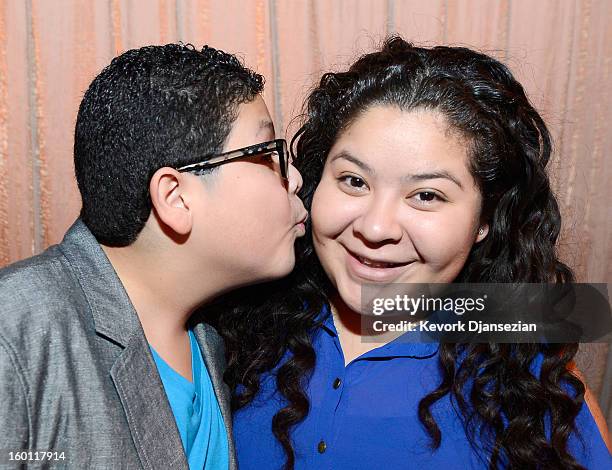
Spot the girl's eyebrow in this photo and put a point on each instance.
(351, 158)
(433, 175)
(441, 174)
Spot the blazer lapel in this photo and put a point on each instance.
(213, 353)
(147, 409)
(134, 372)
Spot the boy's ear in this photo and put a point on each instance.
(169, 190)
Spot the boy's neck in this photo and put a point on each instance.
(163, 299)
(162, 291)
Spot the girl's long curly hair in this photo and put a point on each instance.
(509, 149)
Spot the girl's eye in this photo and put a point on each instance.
(354, 183)
(426, 198)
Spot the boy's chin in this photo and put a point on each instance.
(278, 272)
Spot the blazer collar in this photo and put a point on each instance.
(113, 314)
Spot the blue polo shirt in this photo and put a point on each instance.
(365, 415)
(196, 412)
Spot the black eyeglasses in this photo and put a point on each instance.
(274, 148)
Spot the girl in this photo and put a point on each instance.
(420, 165)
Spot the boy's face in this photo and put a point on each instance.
(249, 216)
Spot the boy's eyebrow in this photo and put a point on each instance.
(265, 124)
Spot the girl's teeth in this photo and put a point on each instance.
(373, 264)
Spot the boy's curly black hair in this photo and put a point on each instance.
(151, 107)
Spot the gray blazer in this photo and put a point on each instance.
(76, 372)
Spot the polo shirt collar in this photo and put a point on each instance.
(399, 347)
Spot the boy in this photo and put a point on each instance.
(186, 195)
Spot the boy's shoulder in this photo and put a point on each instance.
(38, 293)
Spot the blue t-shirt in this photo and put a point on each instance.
(365, 416)
(196, 411)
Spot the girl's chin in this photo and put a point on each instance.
(351, 299)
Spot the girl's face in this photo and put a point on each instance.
(396, 203)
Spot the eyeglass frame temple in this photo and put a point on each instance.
(244, 152)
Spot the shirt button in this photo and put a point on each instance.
(337, 383)
(321, 447)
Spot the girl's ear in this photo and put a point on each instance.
(483, 230)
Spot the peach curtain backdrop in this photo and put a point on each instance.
(559, 49)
